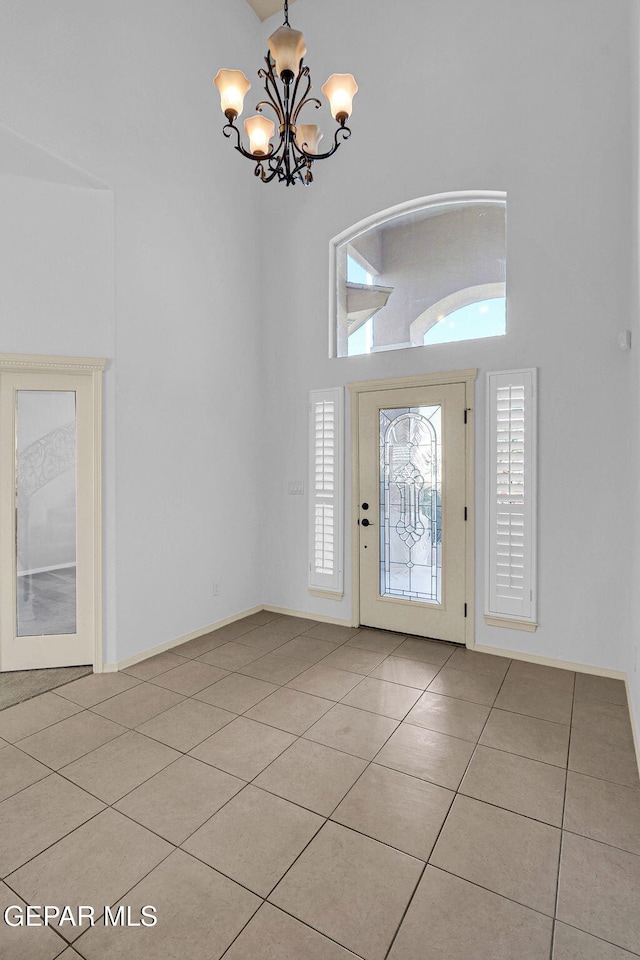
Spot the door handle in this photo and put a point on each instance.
(366, 523)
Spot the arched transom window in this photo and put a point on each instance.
(427, 272)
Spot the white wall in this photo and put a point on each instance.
(57, 286)
(535, 99)
(633, 666)
(123, 90)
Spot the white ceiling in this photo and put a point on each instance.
(266, 8)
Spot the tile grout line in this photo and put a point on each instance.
(126, 892)
(455, 794)
(320, 828)
(183, 753)
(143, 826)
(48, 725)
(304, 923)
(561, 844)
(632, 953)
(246, 783)
(299, 737)
(503, 896)
(188, 753)
(423, 871)
(5, 879)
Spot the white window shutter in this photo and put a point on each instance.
(326, 410)
(511, 492)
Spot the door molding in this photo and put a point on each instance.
(468, 378)
(92, 368)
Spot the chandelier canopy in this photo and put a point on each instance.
(288, 153)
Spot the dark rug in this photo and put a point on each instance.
(19, 685)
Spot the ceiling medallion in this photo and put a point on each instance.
(287, 84)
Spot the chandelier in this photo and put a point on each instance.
(288, 155)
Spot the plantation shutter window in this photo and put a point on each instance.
(326, 415)
(511, 488)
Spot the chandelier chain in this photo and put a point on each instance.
(286, 14)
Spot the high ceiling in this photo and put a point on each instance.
(266, 8)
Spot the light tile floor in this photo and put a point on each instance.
(284, 790)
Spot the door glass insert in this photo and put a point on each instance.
(411, 503)
(46, 522)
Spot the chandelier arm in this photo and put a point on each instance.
(286, 165)
(299, 154)
(305, 99)
(273, 106)
(303, 103)
(301, 160)
(264, 176)
(302, 72)
(343, 132)
(231, 127)
(271, 88)
(252, 156)
(299, 166)
(274, 151)
(276, 158)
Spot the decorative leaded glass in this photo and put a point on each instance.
(411, 503)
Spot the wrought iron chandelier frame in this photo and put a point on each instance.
(287, 160)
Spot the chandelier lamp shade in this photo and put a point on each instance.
(283, 148)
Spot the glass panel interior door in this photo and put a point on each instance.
(50, 467)
(46, 523)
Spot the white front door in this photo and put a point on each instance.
(412, 511)
(49, 530)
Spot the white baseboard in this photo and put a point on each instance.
(550, 662)
(145, 654)
(634, 728)
(286, 612)
(283, 611)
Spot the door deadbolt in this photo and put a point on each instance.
(365, 506)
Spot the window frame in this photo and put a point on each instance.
(450, 199)
(507, 611)
(321, 584)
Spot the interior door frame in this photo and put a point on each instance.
(92, 369)
(468, 378)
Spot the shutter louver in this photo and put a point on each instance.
(325, 568)
(511, 478)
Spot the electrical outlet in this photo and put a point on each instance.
(624, 339)
(216, 590)
(296, 487)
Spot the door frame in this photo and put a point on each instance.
(92, 368)
(468, 378)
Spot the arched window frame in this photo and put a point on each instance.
(460, 198)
